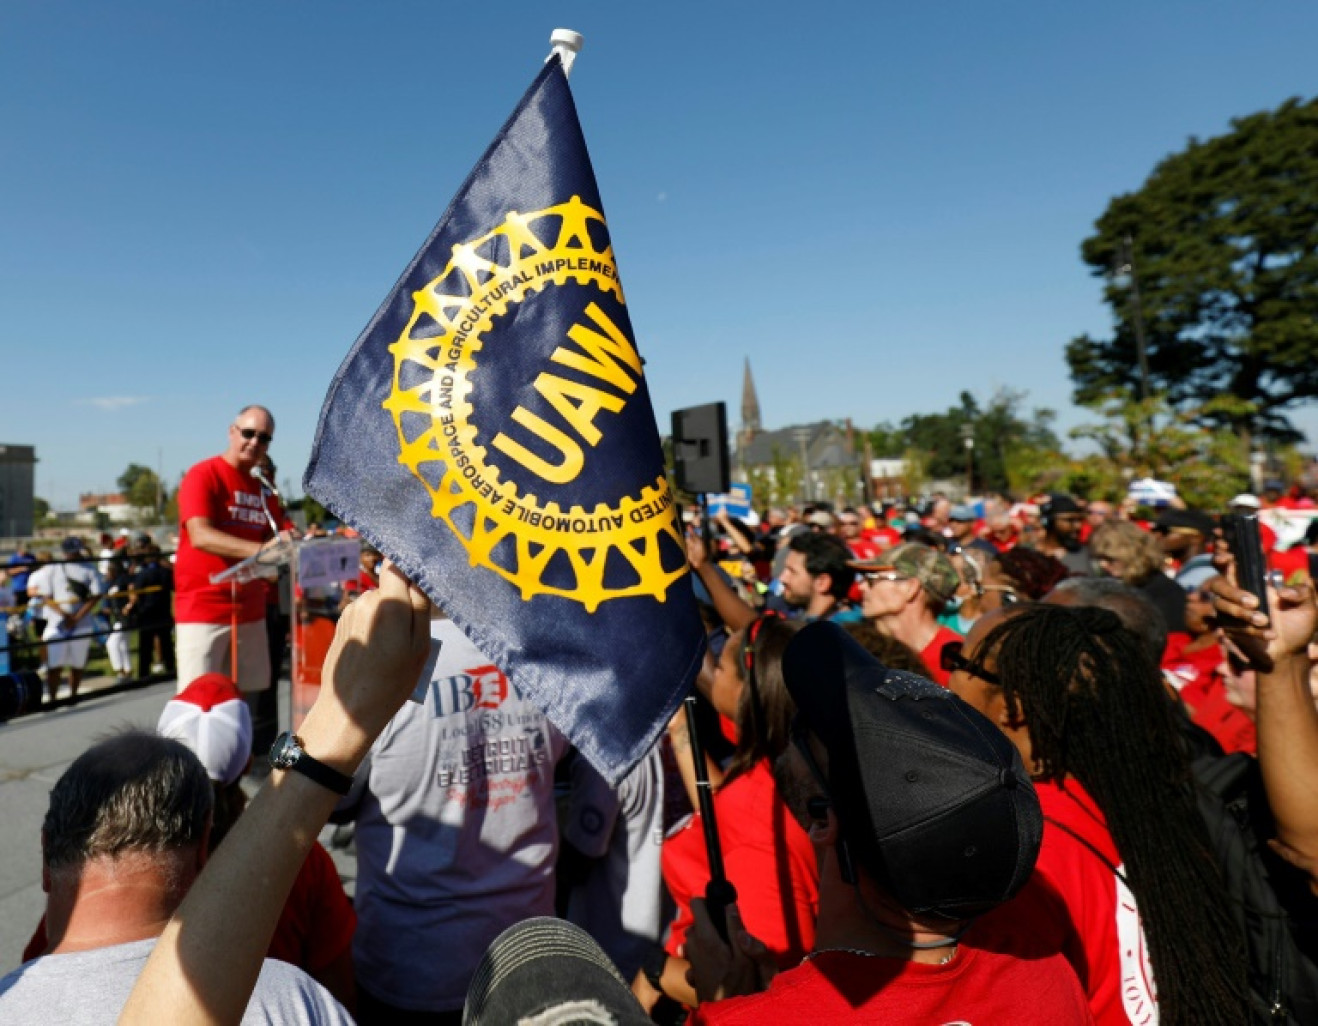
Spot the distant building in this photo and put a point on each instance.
(888, 478)
(17, 474)
(825, 452)
(114, 505)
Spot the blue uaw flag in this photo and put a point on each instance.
(492, 434)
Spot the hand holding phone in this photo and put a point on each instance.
(1241, 532)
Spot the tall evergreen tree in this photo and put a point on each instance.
(1214, 261)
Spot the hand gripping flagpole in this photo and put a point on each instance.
(567, 44)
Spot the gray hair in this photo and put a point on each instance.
(135, 792)
(1137, 614)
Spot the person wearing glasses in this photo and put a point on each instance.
(225, 516)
(1018, 575)
(1124, 843)
(902, 593)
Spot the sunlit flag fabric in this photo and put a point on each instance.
(491, 433)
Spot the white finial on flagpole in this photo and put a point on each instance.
(567, 44)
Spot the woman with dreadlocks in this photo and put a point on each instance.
(1124, 844)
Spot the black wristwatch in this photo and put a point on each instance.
(653, 967)
(287, 753)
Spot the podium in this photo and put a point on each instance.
(263, 566)
(324, 573)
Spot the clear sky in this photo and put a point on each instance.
(881, 204)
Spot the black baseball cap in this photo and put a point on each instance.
(545, 970)
(1060, 502)
(1186, 519)
(933, 799)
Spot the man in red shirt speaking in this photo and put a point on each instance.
(226, 514)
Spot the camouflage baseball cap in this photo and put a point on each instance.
(930, 567)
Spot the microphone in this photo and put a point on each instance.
(263, 479)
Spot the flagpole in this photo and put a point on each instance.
(719, 892)
(567, 44)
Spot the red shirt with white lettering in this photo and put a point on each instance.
(1104, 916)
(234, 504)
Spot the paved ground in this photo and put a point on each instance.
(34, 751)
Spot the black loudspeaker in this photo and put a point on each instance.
(700, 448)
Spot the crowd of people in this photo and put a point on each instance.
(995, 762)
(60, 603)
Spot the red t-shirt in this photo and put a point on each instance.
(1293, 563)
(884, 537)
(862, 548)
(931, 654)
(766, 856)
(1197, 680)
(1117, 977)
(996, 977)
(232, 502)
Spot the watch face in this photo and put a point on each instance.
(284, 752)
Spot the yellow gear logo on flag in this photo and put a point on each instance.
(517, 535)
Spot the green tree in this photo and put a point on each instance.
(40, 509)
(916, 474)
(140, 486)
(778, 484)
(1207, 464)
(886, 441)
(1214, 261)
(313, 510)
(1003, 439)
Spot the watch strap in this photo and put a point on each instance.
(656, 961)
(310, 767)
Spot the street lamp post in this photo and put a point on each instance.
(807, 492)
(1126, 276)
(968, 436)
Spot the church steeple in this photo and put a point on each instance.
(750, 418)
(750, 405)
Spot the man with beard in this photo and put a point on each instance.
(816, 577)
(1063, 520)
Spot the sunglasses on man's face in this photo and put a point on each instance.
(1009, 595)
(250, 433)
(951, 659)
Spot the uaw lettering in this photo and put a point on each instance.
(491, 433)
(614, 549)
